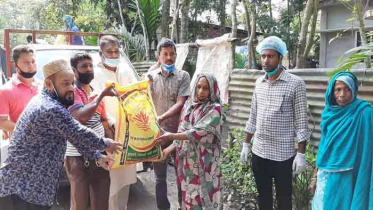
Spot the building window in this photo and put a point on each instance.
(358, 38)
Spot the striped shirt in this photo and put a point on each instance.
(81, 98)
(278, 116)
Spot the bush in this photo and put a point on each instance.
(239, 184)
(239, 189)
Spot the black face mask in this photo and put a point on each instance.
(26, 75)
(86, 78)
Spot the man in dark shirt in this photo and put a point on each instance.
(31, 172)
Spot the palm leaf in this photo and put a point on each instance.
(358, 55)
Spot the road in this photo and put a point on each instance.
(142, 193)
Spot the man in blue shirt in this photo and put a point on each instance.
(70, 26)
(31, 172)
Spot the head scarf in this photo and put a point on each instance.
(69, 20)
(214, 89)
(340, 126)
(272, 43)
(203, 115)
(351, 82)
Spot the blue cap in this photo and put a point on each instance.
(69, 20)
(272, 43)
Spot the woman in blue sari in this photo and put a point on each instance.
(344, 159)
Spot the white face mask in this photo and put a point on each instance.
(113, 63)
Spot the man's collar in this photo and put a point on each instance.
(17, 82)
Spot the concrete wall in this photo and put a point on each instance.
(332, 48)
(333, 22)
(337, 16)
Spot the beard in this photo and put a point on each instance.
(66, 101)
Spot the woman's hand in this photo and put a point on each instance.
(165, 138)
(166, 153)
(312, 187)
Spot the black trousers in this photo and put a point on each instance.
(14, 202)
(160, 172)
(265, 171)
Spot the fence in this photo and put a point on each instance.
(242, 84)
(142, 67)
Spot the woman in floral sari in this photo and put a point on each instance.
(344, 178)
(197, 146)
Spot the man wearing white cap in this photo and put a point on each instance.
(31, 173)
(278, 117)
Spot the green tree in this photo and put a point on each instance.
(184, 29)
(165, 18)
(308, 27)
(250, 13)
(286, 26)
(149, 18)
(358, 9)
(17, 14)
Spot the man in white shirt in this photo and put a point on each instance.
(112, 70)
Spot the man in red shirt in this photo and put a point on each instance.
(88, 182)
(18, 91)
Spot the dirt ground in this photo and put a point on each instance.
(142, 193)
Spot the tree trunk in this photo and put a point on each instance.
(234, 18)
(222, 16)
(121, 13)
(270, 9)
(195, 25)
(174, 30)
(301, 60)
(165, 18)
(146, 42)
(311, 38)
(251, 29)
(234, 30)
(300, 19)
(290, 56)
(247, 17)
(185, 21)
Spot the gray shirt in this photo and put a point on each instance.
(166, 90)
